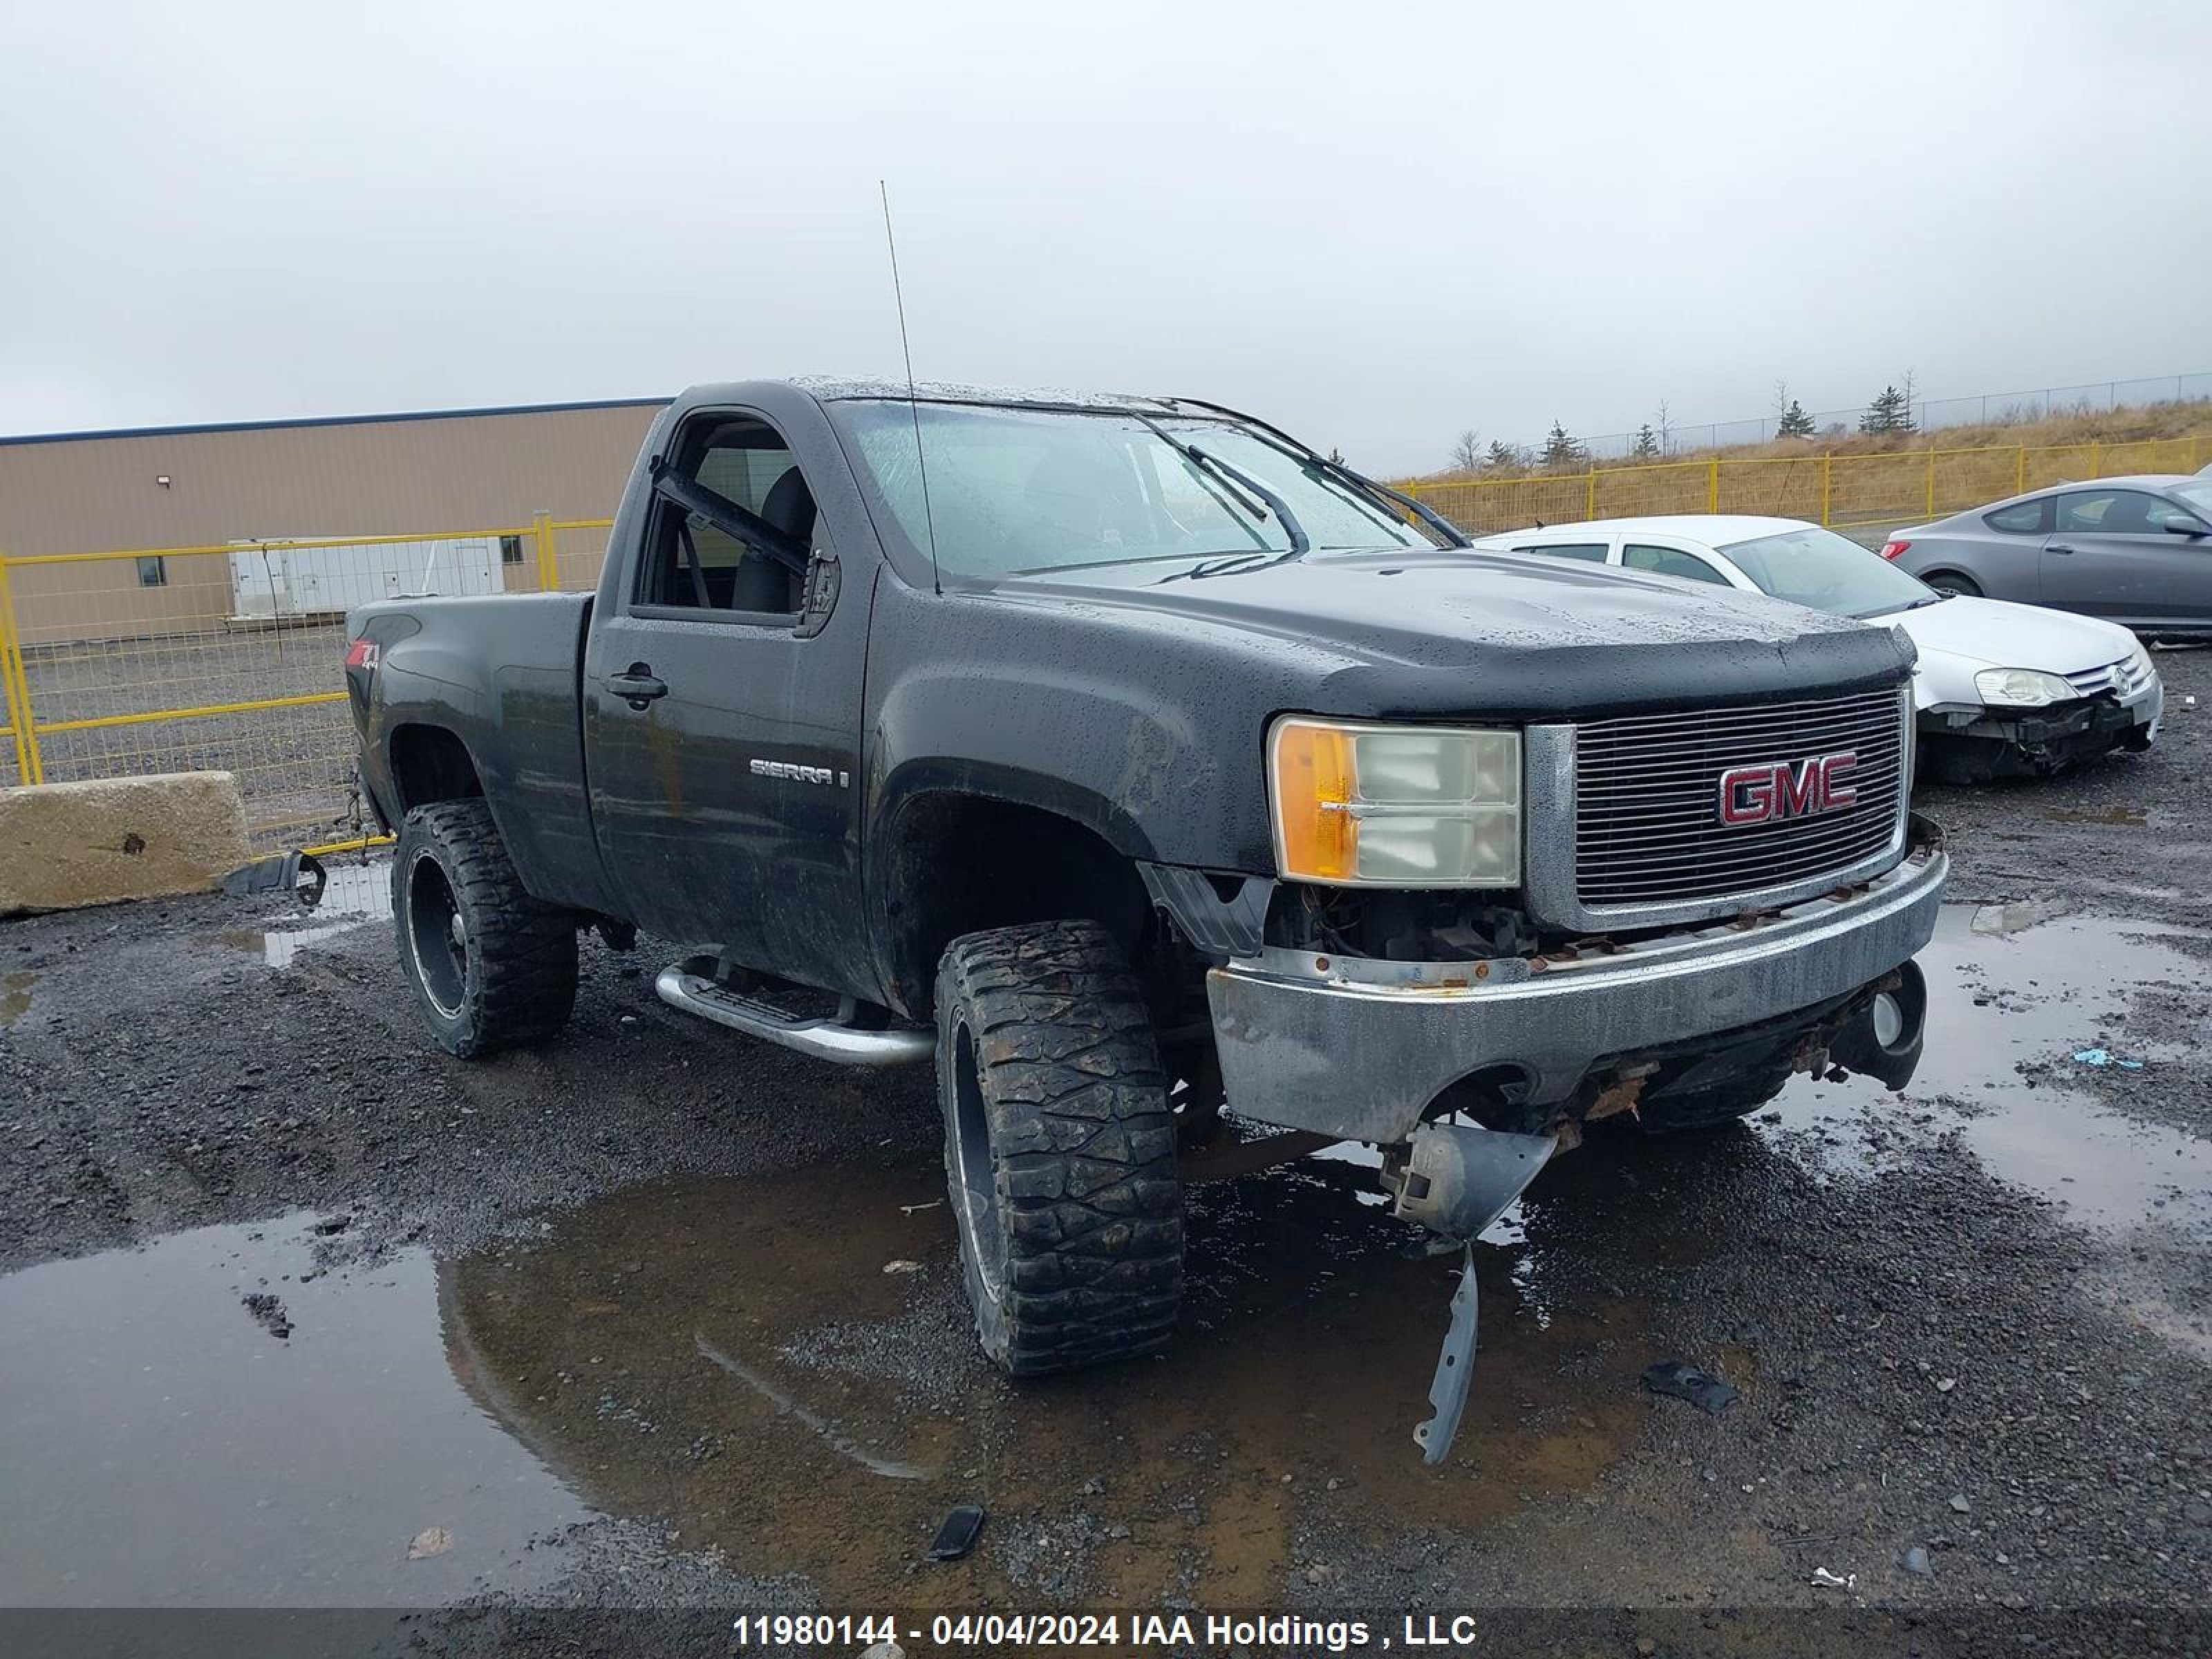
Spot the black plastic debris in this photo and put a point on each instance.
(268, 1313)
(300, 872)
(1684, 1380)
(957, 1536)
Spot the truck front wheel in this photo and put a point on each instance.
(1060, 1147)
(492, 967)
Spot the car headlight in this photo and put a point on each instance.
(2021, 688)
(1359, 806)
(2141, 656)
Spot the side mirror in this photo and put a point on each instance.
(2188, 527)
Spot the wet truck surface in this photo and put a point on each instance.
(1126, 760)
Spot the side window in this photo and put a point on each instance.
(1671, 562)
(728, 561)
(2114, 513)
(2022, 518)
(1590, 552)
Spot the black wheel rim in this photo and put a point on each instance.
(437, 936)
(974, 1176)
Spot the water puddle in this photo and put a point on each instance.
(15, 997)
(671, 1354)
(2016, 985)
(354, 893)
(169, 1442)
(212, 1420)
(667, 1351)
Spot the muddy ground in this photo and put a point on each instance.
(298, 1312)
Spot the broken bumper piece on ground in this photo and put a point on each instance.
(1458, 1179)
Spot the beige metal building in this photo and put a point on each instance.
(462, 480)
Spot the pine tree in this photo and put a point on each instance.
(1559, 449)
(1647, 443)
(1794, 423)
(1336, 456)
(1890, 412)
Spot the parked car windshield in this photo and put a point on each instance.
(1823, 571)
(2194, 495)
(1018, 489)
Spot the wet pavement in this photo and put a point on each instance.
(304, 1314)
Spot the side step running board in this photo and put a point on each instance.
(684, 985)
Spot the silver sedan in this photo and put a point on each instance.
(2134, 550)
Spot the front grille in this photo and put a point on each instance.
(1648, 829)
(2122, 679)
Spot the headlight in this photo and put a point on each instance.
(2145, 668)
(2021, 688)
(1395, 805)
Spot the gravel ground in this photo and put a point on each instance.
(696, 1289)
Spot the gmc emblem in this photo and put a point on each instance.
(1787, 789)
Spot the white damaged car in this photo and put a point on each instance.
(2002, 689)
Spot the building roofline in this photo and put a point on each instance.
(11, 441)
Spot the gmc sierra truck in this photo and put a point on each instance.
(1124, 758)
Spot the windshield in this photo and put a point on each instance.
(1014, 489)
(1822, 571)
(2193, 493)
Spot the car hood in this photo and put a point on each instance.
(1963, 635)
(1413, 631)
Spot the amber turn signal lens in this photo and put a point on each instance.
(1314, 786)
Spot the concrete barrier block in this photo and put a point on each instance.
(66, 845)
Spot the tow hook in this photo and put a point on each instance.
(1457, 1181)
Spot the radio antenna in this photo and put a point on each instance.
(913, 402)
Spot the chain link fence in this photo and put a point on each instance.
(1842, 491)
(228, 658)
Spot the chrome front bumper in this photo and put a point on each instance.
(1358, 1048)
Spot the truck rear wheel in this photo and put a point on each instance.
(492, 967)
(1059, 1148)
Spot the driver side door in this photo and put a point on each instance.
(722, 716)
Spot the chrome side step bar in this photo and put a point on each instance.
(690, 986)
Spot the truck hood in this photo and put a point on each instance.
(1413, 631)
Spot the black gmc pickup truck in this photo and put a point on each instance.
(1126, 757)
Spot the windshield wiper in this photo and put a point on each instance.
(1236, 479)
(1453, 535)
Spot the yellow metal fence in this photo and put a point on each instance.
(228, 656)
(1894, 487)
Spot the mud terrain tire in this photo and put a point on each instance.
(1059, 1148)
(491, 967)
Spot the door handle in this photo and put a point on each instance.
(2054, 548)
(636, 687)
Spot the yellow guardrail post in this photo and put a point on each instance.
(2095, 463)
(15, 680)
(549, 567)
(1713, 485)
(1827, 484)
(1589, 494)
(2020, 469)
(1931, 480)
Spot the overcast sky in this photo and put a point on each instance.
(1378, 224)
